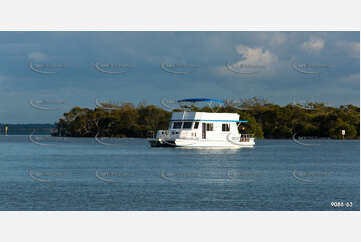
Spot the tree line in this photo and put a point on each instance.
(265, 120)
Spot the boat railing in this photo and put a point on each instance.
(160, 133)
(246, 137)
(165, 134)
(150, 134)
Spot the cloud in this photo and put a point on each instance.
(314, 44)
(350, 48)
(38, 56)
(254, 60)
(256, 55)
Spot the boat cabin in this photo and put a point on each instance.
(201, 125)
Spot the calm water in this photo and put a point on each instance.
(47, 173)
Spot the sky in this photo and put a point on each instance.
(45, 74)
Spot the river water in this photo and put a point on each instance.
(53, 173)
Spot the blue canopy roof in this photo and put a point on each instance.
(193, 100)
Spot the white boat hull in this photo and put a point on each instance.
(207, 144)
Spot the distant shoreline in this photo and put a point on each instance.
(27, 129)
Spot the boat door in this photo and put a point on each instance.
(203, 130)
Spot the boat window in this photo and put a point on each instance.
(225, 127)
(209, 127)
(196, 124)
(187, 125)
(177, 125)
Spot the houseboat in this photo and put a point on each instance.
(203, 130)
